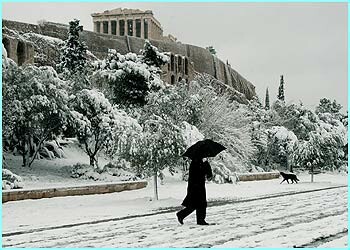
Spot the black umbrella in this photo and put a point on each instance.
(203, 149)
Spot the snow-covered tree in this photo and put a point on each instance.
(98, 125)
(176, 102)
(298, 119)
(73, 64)
(280, 145)
(73, 52)
(259, 140)
(327, 109)
(211, 49)
(267, 99)
(159, 146)
(35, 108)
(152, 57)
(129, 79)
(227, 123)
(280, 95)
(327, 106)
(324, 148)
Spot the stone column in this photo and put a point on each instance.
(142, 28)
(134, 27)
(95, 28)
(125, 27)
(109, 27)
(101, 26)
(117, 26)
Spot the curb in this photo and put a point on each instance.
(16, 195)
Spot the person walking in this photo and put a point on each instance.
(196, 193)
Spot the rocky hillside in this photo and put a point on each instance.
(98, 44)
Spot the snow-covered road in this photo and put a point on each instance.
(313, 219)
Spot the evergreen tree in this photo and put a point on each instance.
(73, 52)
(267, 99)
(327, 106)
(280, 95)
(152, 57)
(212, 50)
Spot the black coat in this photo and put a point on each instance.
(196, 196)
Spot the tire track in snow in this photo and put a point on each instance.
(324, 239)
(168, 210)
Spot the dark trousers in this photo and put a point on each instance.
(200, 213)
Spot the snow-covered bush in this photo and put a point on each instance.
(107, 173)
(11, 180)
(51, 150)
(97, 123)
(120, 168)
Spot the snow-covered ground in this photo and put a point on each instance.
(94, 207)
(303, 220)
(55, 212)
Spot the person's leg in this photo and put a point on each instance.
(201, 214)
(182, 214)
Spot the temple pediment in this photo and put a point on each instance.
(122, 11)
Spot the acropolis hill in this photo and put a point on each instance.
(125, 31)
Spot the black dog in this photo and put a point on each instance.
(287, 177)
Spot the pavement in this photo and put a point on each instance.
(315, 218)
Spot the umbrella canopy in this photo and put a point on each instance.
(203, 149)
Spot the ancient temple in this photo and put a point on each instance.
(130, 22)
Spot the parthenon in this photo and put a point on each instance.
(130, 22)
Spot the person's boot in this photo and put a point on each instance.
(180, 218)
(201, 213)
(203, 223)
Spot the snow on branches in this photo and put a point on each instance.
(97, 123)
(73, 52)
(35, 107)
(159, 146)
(129, 77)
(11, 180)
(151, 55)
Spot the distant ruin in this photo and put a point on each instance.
(129, 22)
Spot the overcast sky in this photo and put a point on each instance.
(306, 42)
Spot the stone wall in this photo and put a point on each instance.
(203, 61)
(15, 195)
(22, 52)
(258, 176)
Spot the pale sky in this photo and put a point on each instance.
(306, 42)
